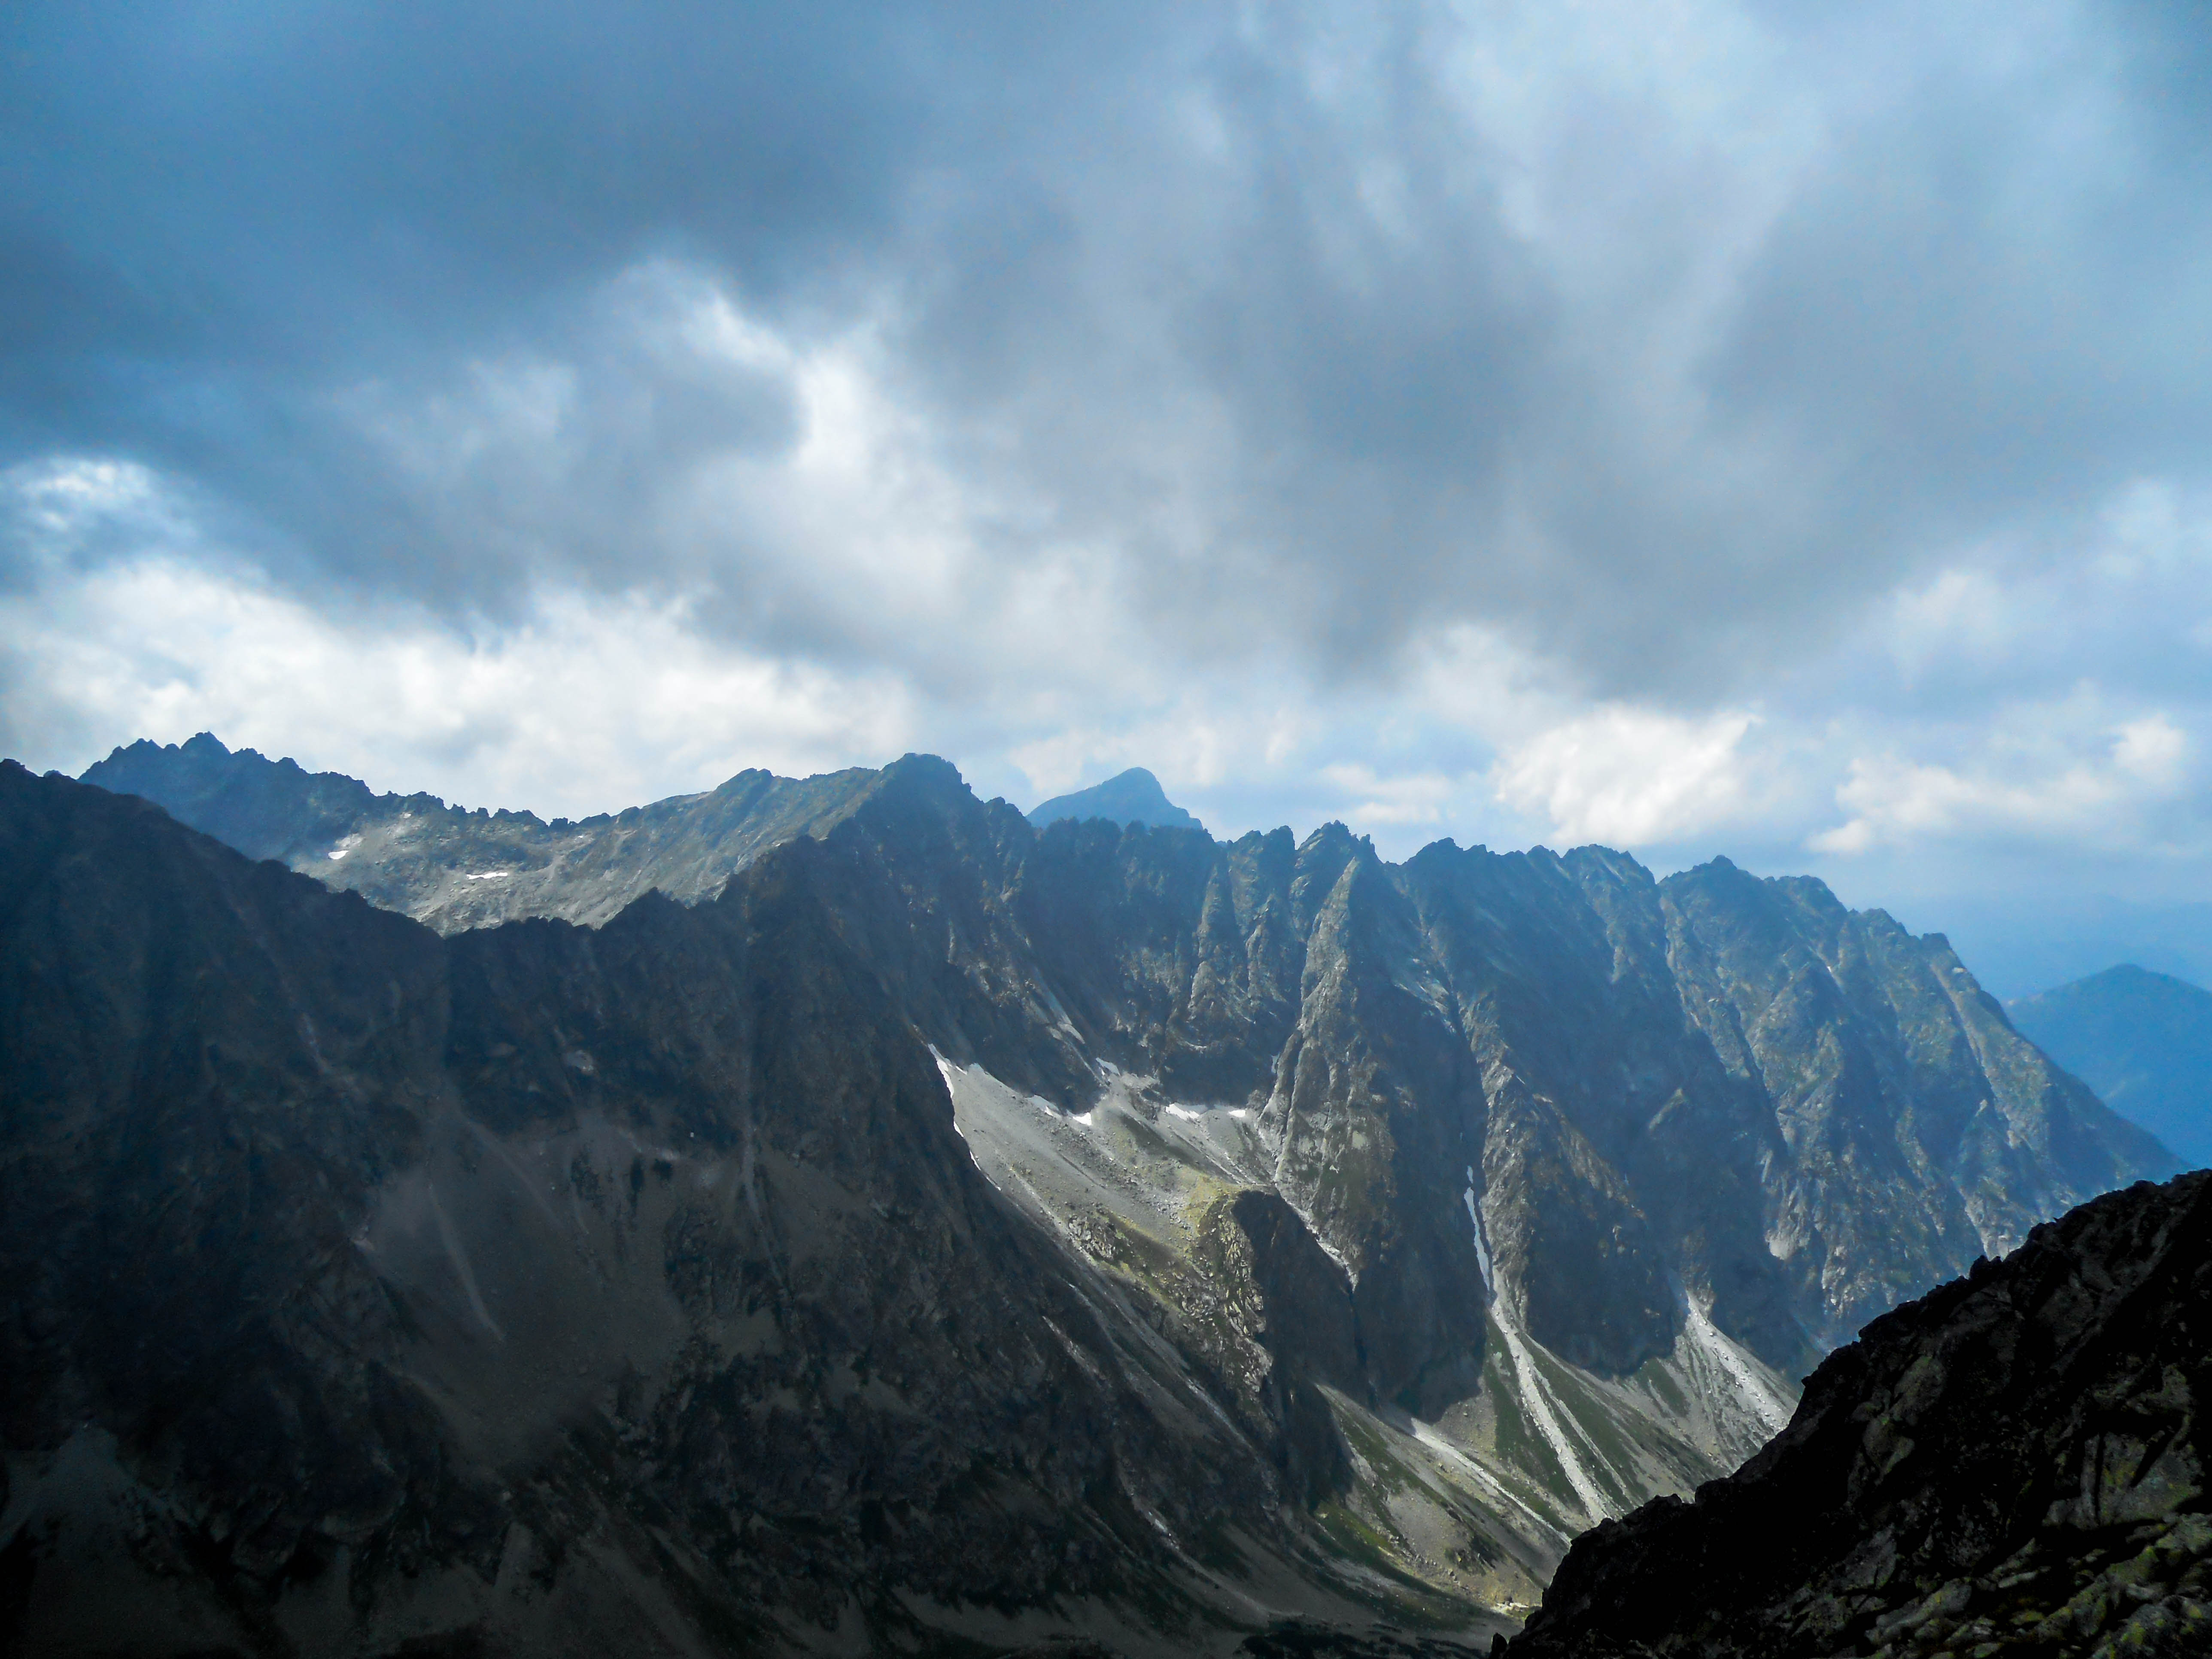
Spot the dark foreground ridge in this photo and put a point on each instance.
(2011, 1465)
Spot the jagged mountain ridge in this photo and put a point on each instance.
(542, 1289)
(2011, 1466)
(1603, 1161)
(452, 868)
(1757, 1028)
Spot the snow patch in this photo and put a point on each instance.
(945, 1068)
(1185, 1113)
(337, 852)
(489, 875)
(1482, 1245)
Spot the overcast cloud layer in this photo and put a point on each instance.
(1697, 427)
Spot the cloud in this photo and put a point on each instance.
(579, 707)
(1456, 419)
(1668, 340)
(1629, 777)
(2041, 789)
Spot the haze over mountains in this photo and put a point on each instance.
(2143, 1041)
(1130, 797)
(1266, 1231)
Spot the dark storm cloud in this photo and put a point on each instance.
(1269, 303)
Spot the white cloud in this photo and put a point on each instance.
(1422, 801)
(1048, 677)
(587, 706)
(2099, 794)
(1629, 776)
(2153, 751)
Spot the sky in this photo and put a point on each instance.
(1781, 431)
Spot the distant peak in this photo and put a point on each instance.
(2125, 978)
(1130, 797)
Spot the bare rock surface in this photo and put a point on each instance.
(893, 1223)
(452, 868)
(551, 1290)
(2011, 1465)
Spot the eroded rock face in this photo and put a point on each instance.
(2011, 1465)
(1800, 1113)
(1484, 1191)
(614, 1291)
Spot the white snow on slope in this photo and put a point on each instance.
(1481, 1246)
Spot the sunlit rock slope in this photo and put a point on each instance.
(455, 868)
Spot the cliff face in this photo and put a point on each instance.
(2011, 1465)
(626, 1290)
(1433, 1212)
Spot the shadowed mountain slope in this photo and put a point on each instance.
(1488, 1195)
(2142, 1040)
(2011, 1465)
(549, 1289)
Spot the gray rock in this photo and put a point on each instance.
(2013, 1465)
(1130, 797)
(1354, 1229)
(553, 1289)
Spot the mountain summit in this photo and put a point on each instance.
(2142, 1040)
(1132, 797)
(880, 1203)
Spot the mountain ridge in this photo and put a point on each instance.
(1715, 977)
(1481, 1197)
(622, 1289)
(2142, 1039)
(452, 868)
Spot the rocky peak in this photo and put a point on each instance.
(1595, 1165)
(551, 1289)
(1130, 797)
